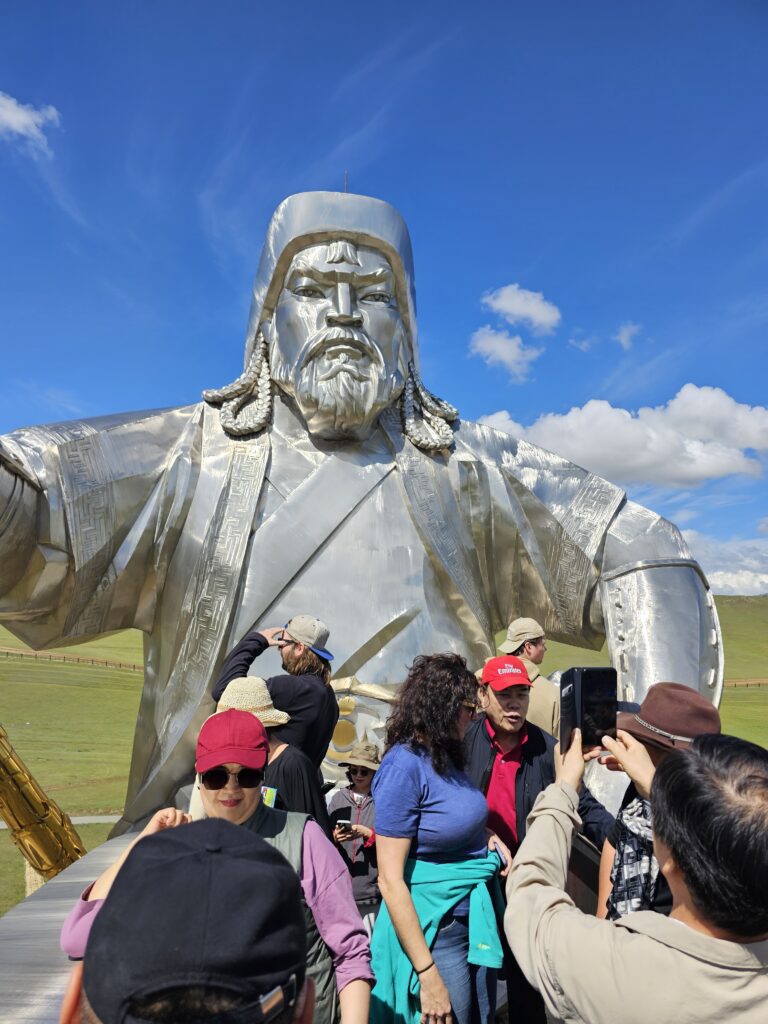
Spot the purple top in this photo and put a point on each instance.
(327, 889)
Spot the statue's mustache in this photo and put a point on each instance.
(351, 336)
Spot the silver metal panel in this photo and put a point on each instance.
(33, 970)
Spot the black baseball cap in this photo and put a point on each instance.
(207, 904)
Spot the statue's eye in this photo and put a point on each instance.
(384, 298)
(307, 291)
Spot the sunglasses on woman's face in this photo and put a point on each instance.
(360, 771)
(217, 778)
(472, 706)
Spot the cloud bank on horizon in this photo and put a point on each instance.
(700, 436)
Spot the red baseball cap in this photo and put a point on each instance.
(232, 737)
(501, 673)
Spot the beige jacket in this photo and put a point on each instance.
(544, 707)
(644, 969)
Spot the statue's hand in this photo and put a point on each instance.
(14, 465)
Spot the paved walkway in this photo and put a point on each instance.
(86, 819)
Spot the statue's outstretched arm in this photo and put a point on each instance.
(656, 608)
(19, 500)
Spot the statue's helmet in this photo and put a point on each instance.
(311, 218)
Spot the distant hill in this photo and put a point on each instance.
(744, 622)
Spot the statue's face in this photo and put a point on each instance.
(337, 341)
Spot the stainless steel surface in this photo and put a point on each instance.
(33, 970)
(407, 533)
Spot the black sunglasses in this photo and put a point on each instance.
(246, 778)
(359, 771)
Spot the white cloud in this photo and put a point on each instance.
(518, 305)
(503, 421)
(582, 344)
(24, 124)
(626, 334)
(762, 526)
(710, 414)
(701, 434)
(732, 566)
(499, 348)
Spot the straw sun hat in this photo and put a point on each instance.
(250, 693)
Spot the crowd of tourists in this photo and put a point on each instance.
(441, 867)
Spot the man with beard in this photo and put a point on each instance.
(328, 476)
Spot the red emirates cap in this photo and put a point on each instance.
(501, 673)
(232, 737)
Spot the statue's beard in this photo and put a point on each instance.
(339, 382)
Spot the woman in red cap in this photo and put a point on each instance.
(232, 750)
(670, 718)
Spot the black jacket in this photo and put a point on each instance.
(309, 701)
(297, 783)
(537, 771)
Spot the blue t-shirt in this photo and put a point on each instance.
(444, 815)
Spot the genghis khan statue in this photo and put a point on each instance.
(327, 478)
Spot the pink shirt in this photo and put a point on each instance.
(327, 888)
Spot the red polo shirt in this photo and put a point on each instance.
(502, 818)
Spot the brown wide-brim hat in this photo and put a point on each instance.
(362, 755)
(670, 717)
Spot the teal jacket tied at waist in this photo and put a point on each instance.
(435, 889)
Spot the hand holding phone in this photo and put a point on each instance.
(342, 825)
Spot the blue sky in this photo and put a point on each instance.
(586, 186)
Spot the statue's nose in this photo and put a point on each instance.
(345, 312)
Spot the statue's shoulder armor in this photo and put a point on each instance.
(496, 446)
(105, 447)
(52, 435)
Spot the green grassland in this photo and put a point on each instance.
(72, 724)
(743, 620)
(125, 646)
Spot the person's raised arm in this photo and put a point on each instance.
(241, 657)
(77, 926)
(169, 817)
(627, 754)
(391, 855)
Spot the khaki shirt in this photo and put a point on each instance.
(544, 706)
(643, 969)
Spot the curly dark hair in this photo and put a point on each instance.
(427, 708)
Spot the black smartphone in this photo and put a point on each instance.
(343, 819)
(588, 702)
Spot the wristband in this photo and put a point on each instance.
(425, 969)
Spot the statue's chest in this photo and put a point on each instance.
(354, 558)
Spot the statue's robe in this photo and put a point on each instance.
(161, 522)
